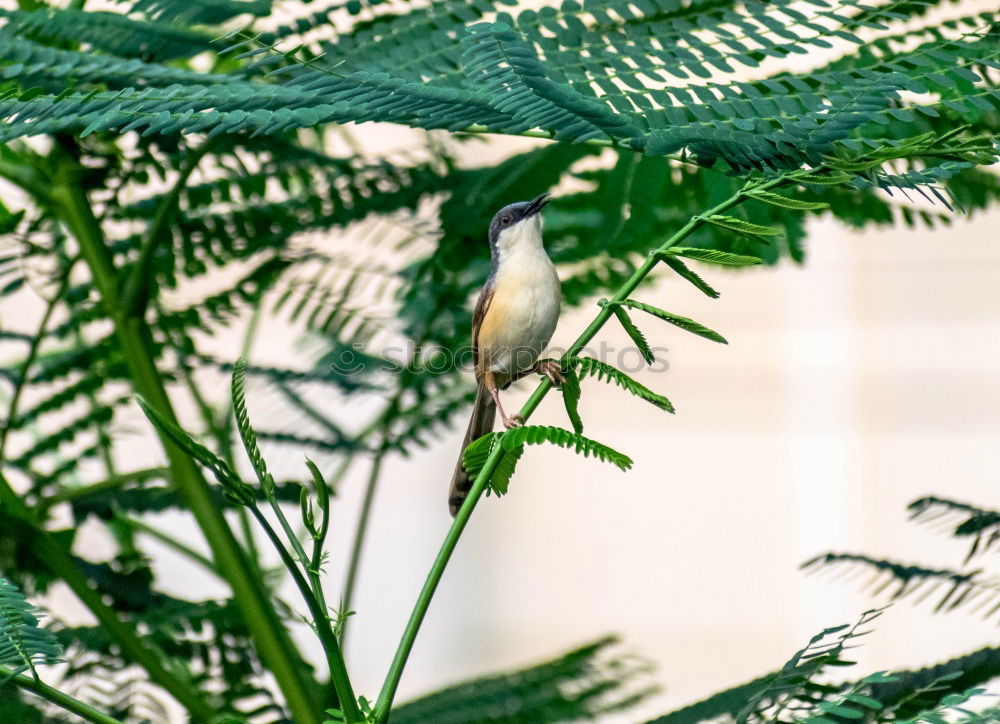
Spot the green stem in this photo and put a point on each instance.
(321, 620)
(272, 639)
(300, 552)
(67, 702)
(387, 694)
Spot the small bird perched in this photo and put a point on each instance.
(514, 320)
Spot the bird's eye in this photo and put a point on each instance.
(505, 221)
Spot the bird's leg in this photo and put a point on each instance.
(491, 385)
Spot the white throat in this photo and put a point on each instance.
(523, 237)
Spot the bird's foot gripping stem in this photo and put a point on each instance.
(551, 369)
(513, 421)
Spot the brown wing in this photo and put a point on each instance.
(482, 307)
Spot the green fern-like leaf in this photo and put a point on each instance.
(637, 336)
(475, 455)
(685, 272)
(714, 256)
(512, 444)
(957, 589)
(747, 228)
(795, 685)
(234, 488)
(609, 373)
(583, 684)
(23, 643)
(787, 202)
(961, 519)
(571, 397)
(541, 434)
(243, 426)
(688, 325)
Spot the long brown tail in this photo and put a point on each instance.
(483, 414)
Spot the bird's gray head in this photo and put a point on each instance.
(515, 224)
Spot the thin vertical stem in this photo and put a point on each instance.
(29, 360)
(359, 537)
(339, 678)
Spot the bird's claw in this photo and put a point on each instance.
(553, 370)
(513, 421)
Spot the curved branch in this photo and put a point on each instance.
(67, 702)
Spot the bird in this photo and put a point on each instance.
(514, 320)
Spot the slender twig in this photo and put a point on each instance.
(359, 537)
(111, 483)
(169, 541)
(319, 538)
(382, 423)
(29, 360)
(387, 694)
(321, 621)
(65, 701)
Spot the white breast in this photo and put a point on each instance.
(527, 295)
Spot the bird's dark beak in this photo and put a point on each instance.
(536, 205)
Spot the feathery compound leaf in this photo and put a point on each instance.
(688, 325)
(633, 332)
(475, 456)
(571, 397)
(907, 693)
(794, 687)
(712, 256)
(540, 434)
(957, 589)
(513, 442)
(606, 372)
(743, 227)
(247, 434)
(685, 272)
(504, 471)
(234, 488)
(786, 203)
(580, 686)
(23, 643)
(961, 520)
